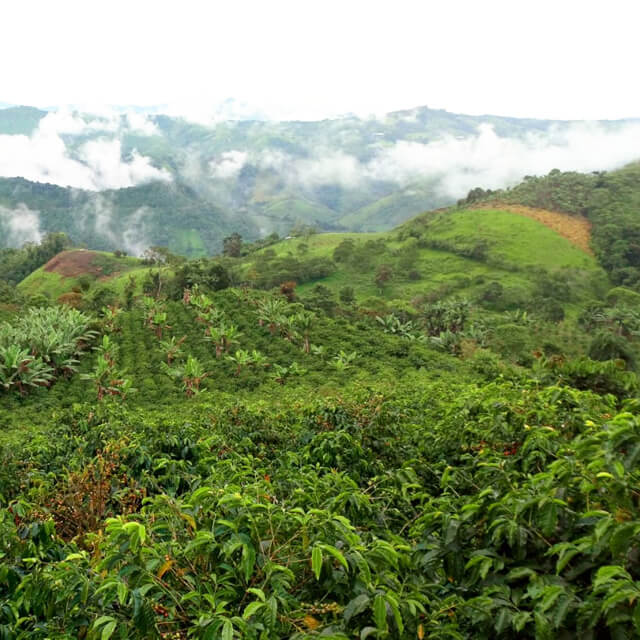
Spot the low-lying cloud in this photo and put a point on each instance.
(131, 233)
(19, 226)
(47, 156)
(491, 161)
(457, 164)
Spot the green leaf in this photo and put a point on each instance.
(227, 630)
(503, 621)
(122, 593)
(636, 617)
(380, 613)
(251, 609)
(607, 573)
(257, 592)
(316, 561)
(356, 606)
(336, 554)
(108, 629)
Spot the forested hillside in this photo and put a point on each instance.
(430, 432)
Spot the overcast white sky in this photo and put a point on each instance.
(548, 59)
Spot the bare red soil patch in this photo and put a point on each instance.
(576, 229)
(71, 264)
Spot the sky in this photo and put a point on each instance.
(561, 59)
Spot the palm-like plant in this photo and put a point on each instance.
(271, 313)
(51, 338)
(110, 315)
(223, 336)
(159, 323)
(107, 380)
(318, 350)
(108, 349)
(21, 370)
(282, 373)
(191, 373)
(173, 348)
(241, 359)
(392, 324)
(304, 320)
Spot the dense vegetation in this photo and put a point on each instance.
(429, 433)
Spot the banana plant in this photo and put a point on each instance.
(108, 349)
(110, 315)
(159, 323)
(21, 370)
(282, 373)
(271, 313)
(173, 348)
(343, 360)
(223, 336)
(241, 359)
(304, 320)
(191, 373)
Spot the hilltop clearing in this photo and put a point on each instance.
(575, 229)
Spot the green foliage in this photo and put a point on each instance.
(43, 344)
(298, 466)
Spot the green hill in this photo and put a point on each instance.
(448, 253)
(132, 219)
(20, 120)
(610, 201)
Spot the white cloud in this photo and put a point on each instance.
(130, 234)
(491, 161)
(108, 171)
(141, 123)
(45, 157)
(135, 237)
(228, 165)
(20, 225)
(459, 164)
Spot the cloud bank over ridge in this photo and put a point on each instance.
(458, 164)
(96, 164)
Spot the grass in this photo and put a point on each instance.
(515, 244)
(514, 238)
(53, 285)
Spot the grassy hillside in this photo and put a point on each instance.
(79, 270)
(448, 253)
(437, 255)
(609, 201)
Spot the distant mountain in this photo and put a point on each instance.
(169, 180)
(130, 219)
(20, 120)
